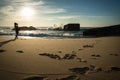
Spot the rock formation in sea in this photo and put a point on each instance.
(113, 30)
(72, 27)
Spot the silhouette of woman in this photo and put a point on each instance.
(16, 30)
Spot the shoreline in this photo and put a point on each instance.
(31, 37)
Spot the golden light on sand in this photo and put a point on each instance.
(27, 12)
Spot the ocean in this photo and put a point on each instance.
(43, 32)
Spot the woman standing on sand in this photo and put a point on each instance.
(16, 30)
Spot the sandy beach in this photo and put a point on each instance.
(60, 59)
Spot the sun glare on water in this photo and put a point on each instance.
(27, 12)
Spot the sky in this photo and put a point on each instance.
(89, 13)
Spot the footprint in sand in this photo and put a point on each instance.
(88, 46)
(59, 51)
(114, 54)
(96, 55)
(20, 51)
(115, 68)
(81, 60)
(80, 49)
(82, 70)
(71, 77)
(94, 68)
(69, 56)
(53, 56)
(86, 70)
(34, 78)
(1, 50)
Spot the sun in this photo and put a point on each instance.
(27, 12)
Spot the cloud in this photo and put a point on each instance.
(10, 10)
(10, 6)
(6, 12)
(75, 17)
(53, 10)
(33, 3)
(6, 9)
(42, 7)
(36, 3)
(59, 18)
(67, 17)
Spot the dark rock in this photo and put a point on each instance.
(103, 31)
(72, 27)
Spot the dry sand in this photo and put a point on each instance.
(60, 59)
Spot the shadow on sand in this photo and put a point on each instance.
(5, 42)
